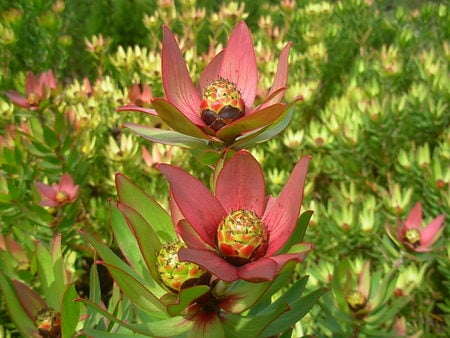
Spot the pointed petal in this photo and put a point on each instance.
(211, 71)
(258, 119)
(263, 269)
(177, 120)
(431, 232)
(282, 213)
(190, 237)
(177, 83)
(132, 107)
(364, 280)
(17, 99)
(31, 84)
(210, 261)
(240, 184)
(46, 191)
(281, 76)
(198, 205)
(67, 185)
(415, 217)
(281, 260)
(239, 63)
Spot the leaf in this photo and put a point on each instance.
(159, 328)
(52, 286)
(135, 290)
(207, 325)
(299, 231)
(248, 140)
(252, 326)
(126, 240)
(160, 221)
(50, 138)
(147, 239)
(121, 272)
(185, 297)
(176, 120)
(298, 309)
(168, 137)
(242, 295)
(22, 322)
(29, 299)
(70, 312)
(256, 120)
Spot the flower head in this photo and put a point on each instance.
(237, 232)
(56, 195)
(414, 236)
(219, 108)
(37, 90)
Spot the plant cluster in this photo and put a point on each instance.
(153, 163)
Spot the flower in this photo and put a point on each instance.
(237, 233)
(37, 90)
(219, 109)
(56, 195)
(416, 238)
(140, 95)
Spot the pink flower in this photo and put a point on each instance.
(56, 195)
(140, 95)
(220, 107)
(416, 238)
(238, 232)
(37, 90)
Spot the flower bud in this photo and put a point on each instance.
(178, 275)
(48, 322)
(412, 237)
(356, 301)
(241, 237)
(221, 104)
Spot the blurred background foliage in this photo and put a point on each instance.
(375, 117)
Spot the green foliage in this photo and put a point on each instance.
(374, 115)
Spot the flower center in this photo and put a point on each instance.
(48, 323)
(221, 104)
(241, 237)
(356, 301)
(178, 275)
(62, 196)
(33, 99)
(412, 237)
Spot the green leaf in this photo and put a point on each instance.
(298, 309)
(130, 195)
(185, 297)
(252, 326)
(50, 138)
(22, 322)
(256, 120)
(170, 327)
(149, 243)
(168, 137)
(126, 240)
(52, 285)
(136, 291)
(176, 120)
(207, 325)
(70, 312)
(248, 141)
(128, 280)
(299, 231)
(242, 295)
